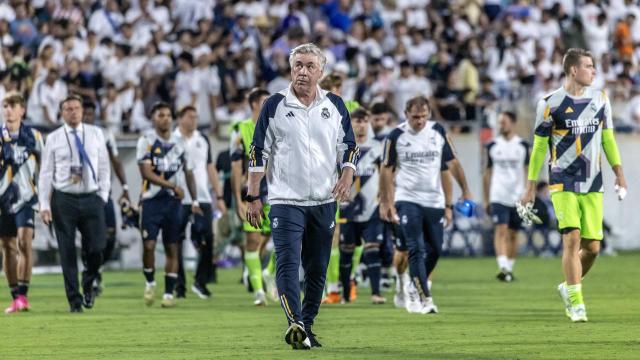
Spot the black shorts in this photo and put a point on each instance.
(161, 213)
(502, 214)
(352, 233)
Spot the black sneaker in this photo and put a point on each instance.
(181, 292)
(312, 338)
(296, 336)
(502, 275)
(200, 290)
(75, 309)
(88, 299)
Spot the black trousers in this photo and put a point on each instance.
(202, 239)
(83, 212)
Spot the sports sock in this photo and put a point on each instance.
(23, 288)
(252, 262)
(149, 274)
(429, 284)
(345, 273)
(170, 280)
(405, 280)
(510, 263)
(333, 270)
(271, 266)
(575, 294)
(502, 262)
(372, 260)
(14, 291)
(357, 256)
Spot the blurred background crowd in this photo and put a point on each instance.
(471, 57)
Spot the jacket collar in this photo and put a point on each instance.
(291, 99)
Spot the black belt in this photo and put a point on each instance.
(75, 195)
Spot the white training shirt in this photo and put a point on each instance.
(365, 185)
(507, 160)
(199, 154)
(419, 158)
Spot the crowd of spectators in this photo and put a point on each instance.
(466, 55)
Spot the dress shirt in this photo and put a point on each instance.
(60, 154)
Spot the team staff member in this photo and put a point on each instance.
(20, 152)
(301, 132)
(74, 185)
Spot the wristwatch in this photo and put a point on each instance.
(449, 206)
(250, 198)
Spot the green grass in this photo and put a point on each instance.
(479, 319)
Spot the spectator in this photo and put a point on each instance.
(186, 84)
(406, 86)
(43, 105)
(22, 28)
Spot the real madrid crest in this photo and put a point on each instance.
(325, 113)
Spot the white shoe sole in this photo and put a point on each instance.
(297, 337)
(200, 294)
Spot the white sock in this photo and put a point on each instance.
(399, 283)
(502, 262)
(429, 284)
(405, 280)
(510, 263)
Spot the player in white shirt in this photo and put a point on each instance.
(361, 212)
(417, 156)
(504, 181)
(206, 177)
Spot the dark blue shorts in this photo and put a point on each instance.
(110, 215)
(372, 231)
(501, 214)
(9, 223)
(415, 220)
(161, 213)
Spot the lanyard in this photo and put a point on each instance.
(66, 135)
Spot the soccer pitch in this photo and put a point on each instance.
(479, 318)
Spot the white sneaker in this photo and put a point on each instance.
(260, 298)
(428, 307)
(578, 313)
(564, 294)
(412, 299)
(398, 300)
(270, 284)
(149, 293)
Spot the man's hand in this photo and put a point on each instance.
(255, 215)
(179, 192)
(196, 209)
(46, 216)
(124, 197)
(621, 186)
(221, 206)
(448, 217)
(241, 210)
(529, 195)
(388, 213)
(342, 189)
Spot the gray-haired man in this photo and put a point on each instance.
(301, 132)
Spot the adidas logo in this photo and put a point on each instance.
(290, 114)
(333, 224)
(569, 110)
